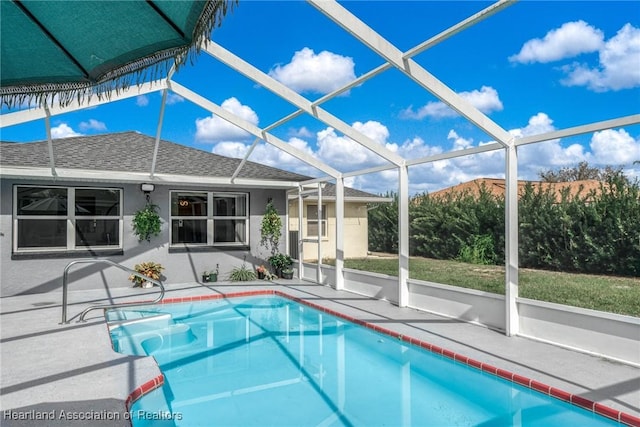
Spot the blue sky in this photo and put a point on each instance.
(532, 68)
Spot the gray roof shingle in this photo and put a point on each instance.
(133, 151)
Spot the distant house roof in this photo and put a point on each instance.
(496, 187)
(128, 157)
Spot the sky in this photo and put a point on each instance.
(535, 67)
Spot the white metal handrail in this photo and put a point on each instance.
(65, 284)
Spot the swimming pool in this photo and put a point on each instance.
(269, 361)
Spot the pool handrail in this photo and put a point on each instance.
(65, 285)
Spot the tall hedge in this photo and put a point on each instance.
(589, 233)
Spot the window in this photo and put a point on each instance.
(312, 221)
(209, 218)
(44, 221)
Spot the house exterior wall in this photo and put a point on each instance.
(356, 233)
(43, 273)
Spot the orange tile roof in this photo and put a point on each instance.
(497, 187)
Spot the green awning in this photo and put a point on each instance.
(80, 48)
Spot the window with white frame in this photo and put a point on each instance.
(66, 218)
(207, 218)
(313, 223)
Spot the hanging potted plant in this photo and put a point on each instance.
(270, 229)
(147, 222)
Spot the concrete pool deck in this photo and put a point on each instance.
(70, 372)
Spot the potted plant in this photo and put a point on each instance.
(280, 262)
(242, 274)
(262, 272)
(213, 274)
(287, 273)
(149, 269)
(146, 222)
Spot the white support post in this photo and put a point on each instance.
(511, 241)
(403, 236)
(52, 159)
(300, 242)
(158, 132)
(339, 234)
(319, 264)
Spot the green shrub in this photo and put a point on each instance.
(242, 274)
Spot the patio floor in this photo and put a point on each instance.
(72, 370)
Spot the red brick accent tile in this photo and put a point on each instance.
(629, 420)
(505, 374)
(489, 368)
(543, 388)
(461, 358)
(474, 363)
(582, 402)
(606, 411)
(521, 380)
(436, 349)
(448, 353)
(560, 394)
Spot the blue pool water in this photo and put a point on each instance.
(268, 361)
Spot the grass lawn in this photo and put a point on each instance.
(605, 293)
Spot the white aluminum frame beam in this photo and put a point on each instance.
(512, 318)
(393, 55)
(52, 159)
(158, 132)
(485, 13)
(254, 74)
(579, 130)
(252, 129)
(339, 270)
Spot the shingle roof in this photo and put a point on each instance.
(133, 151)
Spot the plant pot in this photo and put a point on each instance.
(260, 275)
(287, 274)
(147, 285)
(205, 278)
(213, 277)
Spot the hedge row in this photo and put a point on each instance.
(598, 232)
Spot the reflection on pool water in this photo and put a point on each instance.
(269, 361)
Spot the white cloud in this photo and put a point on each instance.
(142, 100)
(214, 129)
(318, 73)
(571, 39)
(231, 149)
(614, 147)
(302, 132)
(92, 124)
(345, 154)
(619, 66)
(63, 130)
(486, 100)
(173, 98)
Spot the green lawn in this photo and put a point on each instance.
(612, 294)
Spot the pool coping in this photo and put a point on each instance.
(597, 408)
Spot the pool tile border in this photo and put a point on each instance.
(573, 399)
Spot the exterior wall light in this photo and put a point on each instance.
(147, 188)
